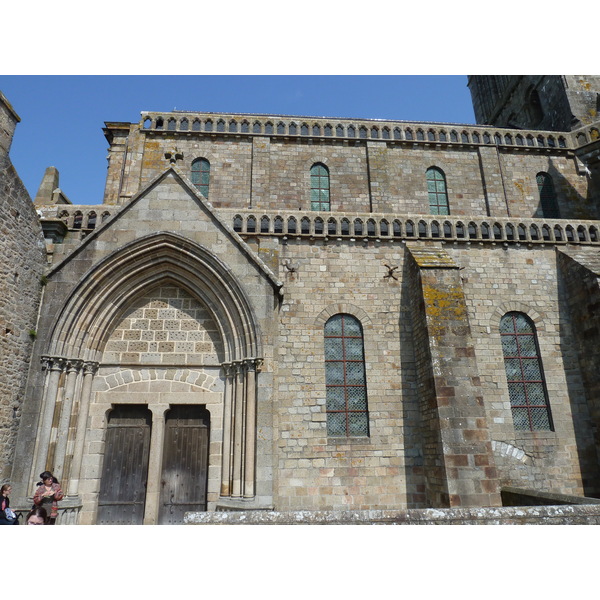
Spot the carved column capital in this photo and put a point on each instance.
(90, 367)
(73, 365)
(53, 363)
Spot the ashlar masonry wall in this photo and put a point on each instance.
(317, 472)
(498, 280)
(273, 173)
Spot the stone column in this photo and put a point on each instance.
(72, 368)
(458, 461)
(250, 441)
(227, 430)
(89, 370)
(54, 367)
(157, 439)
(238, 431)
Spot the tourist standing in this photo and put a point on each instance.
(48, 495)
(7, 515)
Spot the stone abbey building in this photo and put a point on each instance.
(310, 314)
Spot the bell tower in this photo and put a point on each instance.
(546, 102)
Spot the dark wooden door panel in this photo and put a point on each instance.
(125, 470)
(185, 463)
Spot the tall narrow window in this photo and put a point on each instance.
(436, 189)
(548, 201)
(319, 187)
(526, 383)
(345, 379)
(201, 175)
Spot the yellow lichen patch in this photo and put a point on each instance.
(443, 303)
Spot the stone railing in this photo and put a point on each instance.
(363, 129)
(585, 135)
(330, 226)
(81, 217)
(68, 511)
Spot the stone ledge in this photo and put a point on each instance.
(587, 514)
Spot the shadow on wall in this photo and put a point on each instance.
(579, 302)
(414, 467)
(571, 204)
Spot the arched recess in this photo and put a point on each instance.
(85, 324)
(105, 292)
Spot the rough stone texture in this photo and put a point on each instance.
(453, 406)
(23, 261)
(546, 515)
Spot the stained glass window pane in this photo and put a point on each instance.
(336, 424)
(334, 326)
(334, 373)
(358, 424)
(353, 349)
(509, 345)
(527, 346)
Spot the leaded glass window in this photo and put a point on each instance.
(201, 175)
(436, 189)
(345, 379)
(524, 373)
(319, 187)
(548, 199)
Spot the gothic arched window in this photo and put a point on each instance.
(345, 379)
(524, 373)
(201, 175)
(319, 187)
(436, 189)
(548, 200)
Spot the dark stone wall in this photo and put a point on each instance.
(545, 102)
(22, 249)
(580, 271)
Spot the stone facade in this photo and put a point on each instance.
(23, 263)
(162, 297)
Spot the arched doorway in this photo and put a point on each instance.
(123, 357)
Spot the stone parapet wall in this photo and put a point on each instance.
(587, 514)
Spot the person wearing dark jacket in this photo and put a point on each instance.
(7, 516)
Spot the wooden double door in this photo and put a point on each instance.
(184, 474)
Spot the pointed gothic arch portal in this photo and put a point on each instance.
(112, 346)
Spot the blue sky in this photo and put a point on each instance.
(62, 116)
